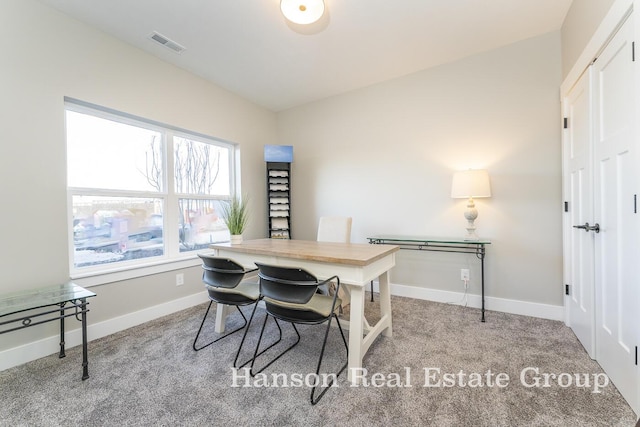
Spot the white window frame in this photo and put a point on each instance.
(172, 258)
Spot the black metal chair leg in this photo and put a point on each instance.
(372, 291)
(219, 338)
(235, 361)
(256, 354)
(324, 344)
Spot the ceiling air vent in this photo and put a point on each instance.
(166, 42)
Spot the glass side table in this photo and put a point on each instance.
(439, 244)
(33, 307)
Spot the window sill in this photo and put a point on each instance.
(116, 275)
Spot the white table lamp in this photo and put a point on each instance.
(470, 184)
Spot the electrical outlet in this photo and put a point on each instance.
(179, 279)
(464, 274)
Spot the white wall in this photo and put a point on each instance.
(385, 156)
(46, 56)
(581, 22)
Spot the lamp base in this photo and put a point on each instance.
(470, 215)
(471, 232)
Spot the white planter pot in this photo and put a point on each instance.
(236, 239)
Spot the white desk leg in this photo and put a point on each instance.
(221, 316)
(385, 302)
(221, 310)
(355, 330)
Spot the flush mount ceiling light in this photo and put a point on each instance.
(302, 11)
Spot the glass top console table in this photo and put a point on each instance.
(439, 244)
(32, 307)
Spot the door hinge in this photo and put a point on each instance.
(636, 355)
(565, 123)
(566, 206)
(633, 51)
(635, 203)
(566, 289)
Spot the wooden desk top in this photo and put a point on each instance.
(359, 254)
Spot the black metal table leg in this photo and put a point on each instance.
(482, 279)
(62, 353)
(85, 359)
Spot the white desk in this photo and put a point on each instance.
(355, 264)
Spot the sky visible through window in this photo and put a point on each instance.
(117, 156)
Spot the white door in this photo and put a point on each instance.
(615, 185)
(579, 244)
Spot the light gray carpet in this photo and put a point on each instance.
(149, 375)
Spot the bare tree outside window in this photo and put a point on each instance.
(197, 168)
(153, 163)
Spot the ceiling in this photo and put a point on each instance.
(247, 47)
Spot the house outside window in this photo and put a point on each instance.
(141, 192)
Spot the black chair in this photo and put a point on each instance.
(223, 280)
(290, 295)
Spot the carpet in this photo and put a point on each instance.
(442, 367)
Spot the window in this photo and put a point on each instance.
(141, 192)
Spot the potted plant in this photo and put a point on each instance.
(236, 217)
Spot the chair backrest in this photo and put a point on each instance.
(288, 284)
(221, 272)
(334, 229)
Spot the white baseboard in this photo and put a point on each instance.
(51, 345)
(544, 311)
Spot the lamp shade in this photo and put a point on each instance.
(302, 11)
(470, 183)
